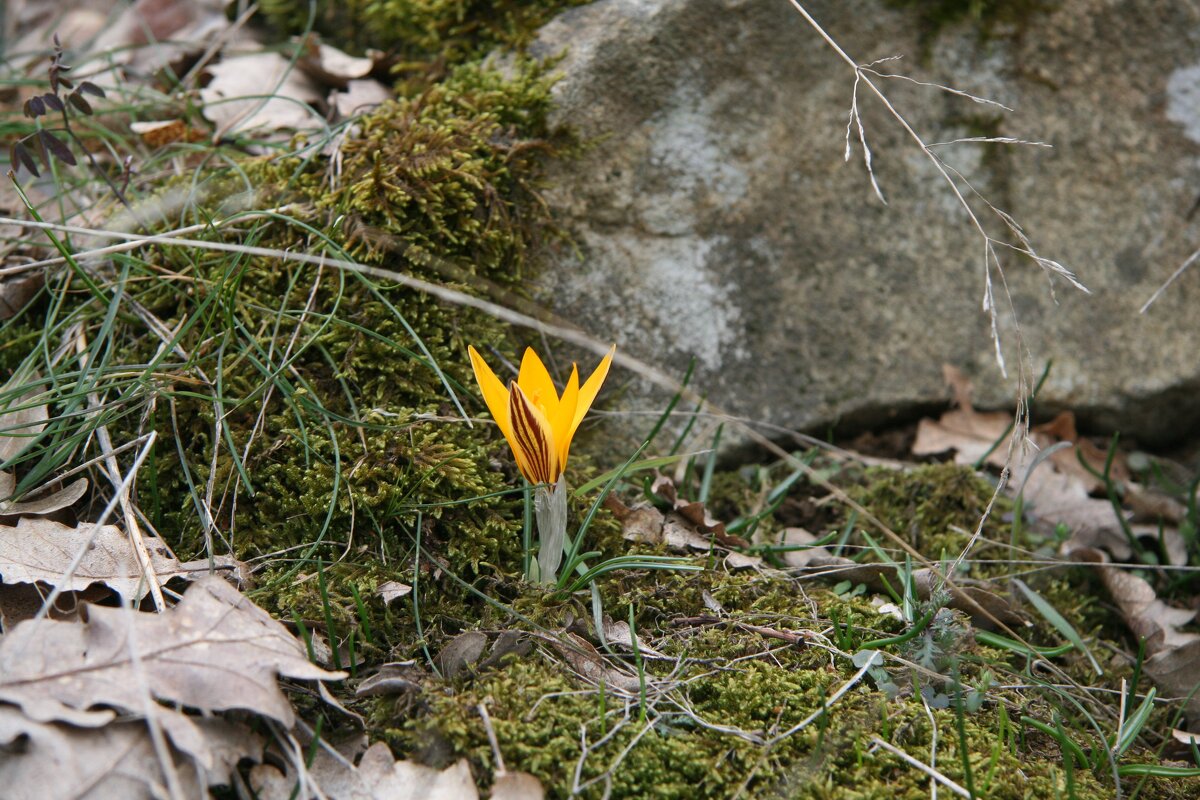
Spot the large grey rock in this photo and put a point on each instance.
(718, 218)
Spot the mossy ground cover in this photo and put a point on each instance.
(312, 421)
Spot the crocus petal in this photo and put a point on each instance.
(533, 438)
(587, 394)
(537, 384)
(496, 397)
(494, 393)
(565, 419)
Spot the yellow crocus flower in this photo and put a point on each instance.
(537, 422)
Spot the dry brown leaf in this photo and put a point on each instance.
(1185, 737)
(21, 421)
(695, 514)
(378, 776)
(358, 97)
(969, 433)
(22, 601)
(150, 35)
(589, 664)
(1056, 497)
(517, 786)
(214, 651)
(1057, 489)
(147, 21)
(260, 91)
(801, 558)
(461, 653)
(41, 550)
(735, 560)
(618, 633)
(48, 760)
(681, 535)
(397, 677)
(1177, 672)
(508, 643)
(391, 591)
(18, 429)
(1062, 429)
(687, 528)
(18, 290)
(39, 501)
(1173, 661)
(331, 66)
(1145, 614)
(160, 133)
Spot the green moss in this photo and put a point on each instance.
(337, 430)
(936, 507)
(315, 405)
(453, 30)
(448, 180)
(710, 734)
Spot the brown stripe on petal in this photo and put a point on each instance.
(531, 435)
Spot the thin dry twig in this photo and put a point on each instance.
(928, 770)
(862, 76)
(112, 470)
(829, 703)
(86, 542)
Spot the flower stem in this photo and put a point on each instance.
(550, 509)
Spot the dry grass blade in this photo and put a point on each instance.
(952, 177)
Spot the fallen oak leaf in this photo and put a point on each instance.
(1050, 473)
(1057, 497)
(331, 66)
(359, 97)
(1062, 429)
(56, 760)
(806, 551)
(214, 651)
(735, 560)
(1185, 737)
(619, 633)
(1173, 661)
(237, 96)
(380, 776)
(22, 601)
(20, 424)
(589, 664)
(971, 434)
(39, 550)
(17, 291)
(1177, 673)
(38, 501)
(695, 513)
(21, 421)
(1146, 615)
(391, 591)
(677, 529)
(160, 133)
(517, 786)
(460, 654)
(397, 677)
